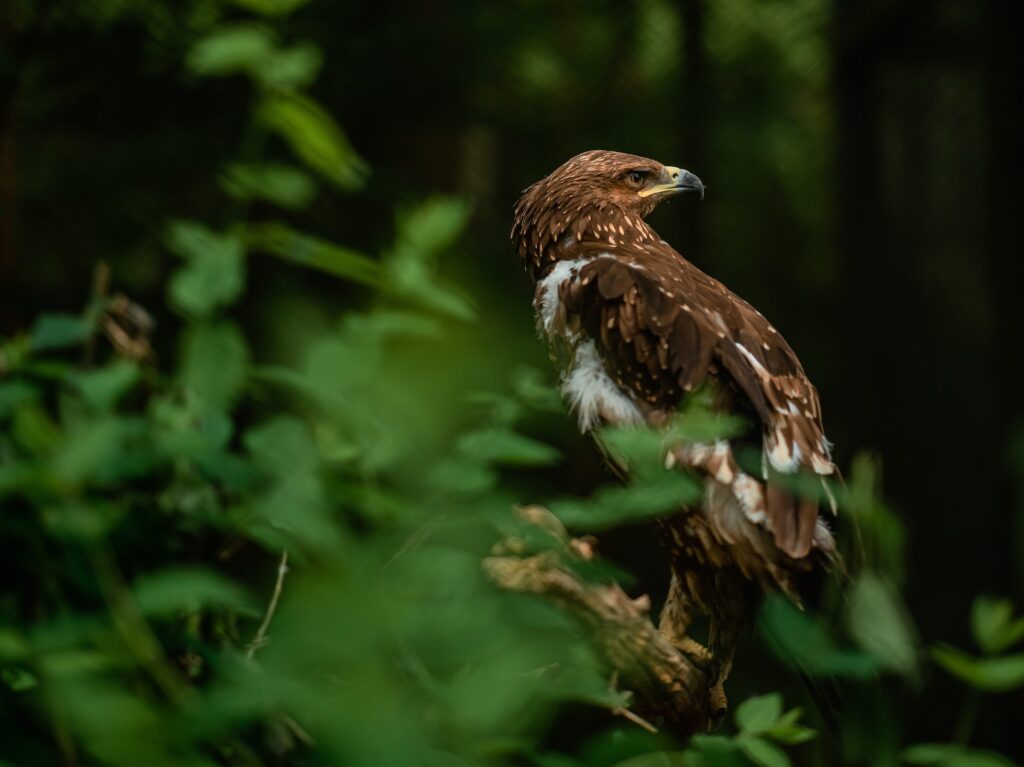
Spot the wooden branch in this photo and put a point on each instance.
(669, 689)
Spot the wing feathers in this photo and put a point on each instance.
(664, 327)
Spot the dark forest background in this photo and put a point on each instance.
(863, 163)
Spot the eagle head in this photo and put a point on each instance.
(592, 186)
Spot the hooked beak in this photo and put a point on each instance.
(676, 180)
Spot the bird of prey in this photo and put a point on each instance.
(634, 328)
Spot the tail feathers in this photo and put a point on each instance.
(792, 520)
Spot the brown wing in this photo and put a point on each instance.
(664, 327)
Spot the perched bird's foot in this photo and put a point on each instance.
(713, 671)
(699, 655)
(719, 703)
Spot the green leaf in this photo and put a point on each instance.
(13, 646)
(186, 590)
(614, 505)
(431, 228)
(655, 759)
(275, 183)
(283, 447)
(880, 625)
(758, 714)
(993, 625)
(231, 49)
(270, 7)
(697, 425)
(215, 273)
(314, 137)
(103, 387)
(19, 679)
(506, 446)
(103, 451)
(285, 243)
(802, 641)
(13, 394)
(251, 49)
(58, 331)
(788, 731)
(462, 477)
(293, 67)
(950, 755)
(424, 233)
(997, 674)
(791, 735)
(214, 364)
(762, 752)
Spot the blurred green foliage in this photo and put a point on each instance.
(226, 557)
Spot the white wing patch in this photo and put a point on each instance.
(547, 302)
(593, 395)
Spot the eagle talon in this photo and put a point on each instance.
(719, 704)
(699, 655)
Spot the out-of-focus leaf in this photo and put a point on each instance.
(695, 425)
(19, 679)
(423, 234)
(13, 394)
(293, 67)
(34, 430)
(951, 755)
(788, 731)
(314, 137)
(231, 49)
(996, 674)
(285, 243)
(430, 229)
(639, 449)
(758, 714)
(502, 445)
(879, 624)
(803, 642)
(57, 331)
(993, 625)
(215, 273)
(271, 7)
(214, 364)
(530, 386)
(763, 753)
(463, 477)
(103, 451)
(251, 49)
(186, 589)
(655, 759)
(105, 386)
(276, 183)
(283, 447)
(714, 751)
(880, 529)
(13, 646)
(610, 506)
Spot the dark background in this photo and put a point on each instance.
(864, 166)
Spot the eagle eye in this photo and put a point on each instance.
(635, 178)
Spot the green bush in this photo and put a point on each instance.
(213, 559)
